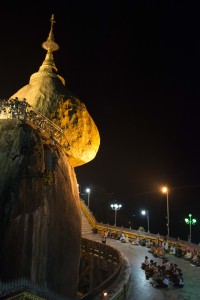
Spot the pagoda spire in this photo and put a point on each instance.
(48, 67)
(50, 45)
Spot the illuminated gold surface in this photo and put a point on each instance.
(46, 92)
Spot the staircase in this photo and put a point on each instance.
(86, 226)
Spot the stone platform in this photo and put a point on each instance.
(139, 287)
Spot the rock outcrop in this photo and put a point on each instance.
(40, 222)
(46, 91)
(50, 97)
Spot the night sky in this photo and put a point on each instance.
(135, 65)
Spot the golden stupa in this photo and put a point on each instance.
(47, 93)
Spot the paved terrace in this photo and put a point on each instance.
(140, 288)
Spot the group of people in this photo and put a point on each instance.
(194, 257)
(164, 247)
(112, 234)
(161, 275)
(158, 251)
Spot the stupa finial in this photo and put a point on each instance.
(50, 44)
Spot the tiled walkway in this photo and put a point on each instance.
(140, 288)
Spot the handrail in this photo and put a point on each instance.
(23, 111)
(88, 214)
(132, 234)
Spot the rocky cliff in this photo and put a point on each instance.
(40, 223)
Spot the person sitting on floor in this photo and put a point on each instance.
(179, 282)
(149, 270)
(157, 275)
(172, 249)
(103, 237)
(145, 263)
(179, 252)
(152, 249)
(194, 259)
(136, 241)
(126, 240)
(188, 255)
(122, 237)
(162, 282)
(165, 246)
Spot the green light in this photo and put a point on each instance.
(191, 222)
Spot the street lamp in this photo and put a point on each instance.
(116, 207)
(88, 192)
(146, 213)
(165, 191)
(190, 221)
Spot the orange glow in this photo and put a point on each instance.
(165, 190)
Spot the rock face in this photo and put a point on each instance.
(40, 222)
(47, 94)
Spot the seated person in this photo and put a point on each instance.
(172, 249)
(155, 251)
(188, 255)
(113, 234)
(143, 242)
(103, 237)
(149, 270)
(122, 237)
(136, 241)
(156, 276)
(126, 239)
(145, 263)
(179, 252)
(166, 247)
(162, 282)
(152, 249)
(179, 282)
(149, 244)
(194, 258)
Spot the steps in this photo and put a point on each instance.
(86, 227)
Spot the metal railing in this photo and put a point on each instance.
(23, 111)
(132, 234)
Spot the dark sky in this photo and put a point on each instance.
(135, 64)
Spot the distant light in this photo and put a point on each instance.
(116, 206)
(87, 190)
(190, 220)
(143, 212)
(105, 294)
(164, 189)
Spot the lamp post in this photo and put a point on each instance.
(88, 192)
(146, 213)
(116, 207)
(165, 191)
(190, 221)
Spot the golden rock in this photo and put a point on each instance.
(47, 93)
